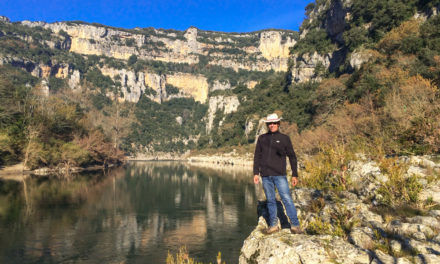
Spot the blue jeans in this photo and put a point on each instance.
(269, 183)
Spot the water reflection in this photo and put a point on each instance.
(133, 215)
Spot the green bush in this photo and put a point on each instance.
(100, 100)
(104, 83)
(170, 89)
(132, 60)
(56, 84)
(130, 42)
(315, 40)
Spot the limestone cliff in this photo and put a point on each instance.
(224, 104)
(188, 50)
(180, 47)
(134, 84)
(195, 86)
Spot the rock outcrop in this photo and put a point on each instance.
(346, 227)
(224, 104)
(284, 247)
(306, 66)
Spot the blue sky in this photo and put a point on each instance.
(226, 15)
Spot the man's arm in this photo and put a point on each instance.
(292, 158)
(257, 161)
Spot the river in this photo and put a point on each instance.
(134, 214)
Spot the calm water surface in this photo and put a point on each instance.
(131, 215)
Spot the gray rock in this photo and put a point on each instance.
(431, 191)
(435, 213)
(179, 120)
(425, 220)
(423, 247)
(221, 85)
(380, 257)
(419, 236)
(283, 247)
(416, 170)
(362, 237)
(357, 58)
(369, 218)
(427, 259)
(366, 177)
(5, 19)
(383, 258)
(423, 161)
(74, 80)
(305, 65)
(418, 231)
(395, 246)
(303, 197)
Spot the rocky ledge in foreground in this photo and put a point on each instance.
(416, 240)
(284, 247)
(356, 225)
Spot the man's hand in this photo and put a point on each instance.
(294, 181)
(256, 179)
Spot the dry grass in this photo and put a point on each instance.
(182, 257)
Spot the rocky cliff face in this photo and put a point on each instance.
(256, 51)
(181, 47)
(331, 16)
(134, 84)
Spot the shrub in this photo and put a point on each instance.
(355, 37)
(182, 257)
(318, 227)
(100, 100)
(327, 169)
(405, 36)
(104, 83)
(56, 84)
(315, 40)
(170, 89)
(130, 42)
(398, 189)
(132, 60)
(73, 155)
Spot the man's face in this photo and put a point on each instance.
(273, 127)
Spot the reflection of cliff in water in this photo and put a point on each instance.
(138, 214)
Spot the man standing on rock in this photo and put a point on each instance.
(270, 162)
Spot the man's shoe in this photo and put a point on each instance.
(296, 230)
(271, 230)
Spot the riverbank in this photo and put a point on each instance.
(17, 172)
(215, 157)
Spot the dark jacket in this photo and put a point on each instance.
(270, 155)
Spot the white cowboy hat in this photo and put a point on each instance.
(272, 118)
